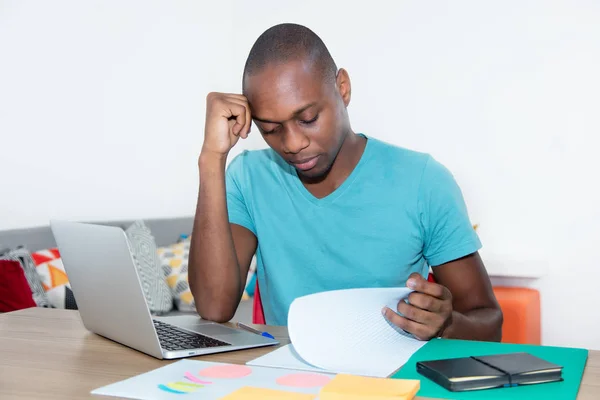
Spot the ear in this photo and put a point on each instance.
(342, 82)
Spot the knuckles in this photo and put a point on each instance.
(212, 97)
(217, 97)
(428, 302)
(448, 294)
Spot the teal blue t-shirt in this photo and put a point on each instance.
(398, 212)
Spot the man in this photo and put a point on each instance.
(325, 208)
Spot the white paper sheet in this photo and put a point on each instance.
(210, 380)
(344, 331)
(285, 357)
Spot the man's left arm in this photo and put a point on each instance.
(459, 305)
(476, 315)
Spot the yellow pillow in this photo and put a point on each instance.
(174, 261)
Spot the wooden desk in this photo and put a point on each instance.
(48, 354)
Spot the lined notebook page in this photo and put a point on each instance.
(344, 331)
(284, 357)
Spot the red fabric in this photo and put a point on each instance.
(258, 316)
(15, 293)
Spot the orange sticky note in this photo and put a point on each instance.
(254, 393)
(351, 387)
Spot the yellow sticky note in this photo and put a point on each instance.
(351, 387)
(254, 393)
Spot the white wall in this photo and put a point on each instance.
(102, 106)
(102, 111)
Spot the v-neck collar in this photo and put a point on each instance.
(331, 197)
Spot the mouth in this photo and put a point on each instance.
(305, 164)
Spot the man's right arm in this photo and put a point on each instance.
(220, 252)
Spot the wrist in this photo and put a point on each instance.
(447, 329)
(208, 158)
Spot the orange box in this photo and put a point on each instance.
(521, 309)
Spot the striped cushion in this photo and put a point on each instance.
(157, 293)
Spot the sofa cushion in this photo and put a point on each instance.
(145, 255)
(15, 293)
(49, 267)
(23, 256)
(174, 261)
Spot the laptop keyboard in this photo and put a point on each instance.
(172, 338)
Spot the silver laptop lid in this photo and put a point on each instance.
(105, 283)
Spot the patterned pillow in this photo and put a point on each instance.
(23, 256)
(55, 282)
(174, 260)
(145, 255)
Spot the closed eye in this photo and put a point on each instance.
(306, 122)
(310, 121)
(271, 131)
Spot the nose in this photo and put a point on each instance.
(294, 141)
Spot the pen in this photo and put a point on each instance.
(250, 329)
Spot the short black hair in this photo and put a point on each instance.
(289, 42)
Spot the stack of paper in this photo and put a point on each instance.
(344, 331)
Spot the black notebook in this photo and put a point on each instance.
(486, 372)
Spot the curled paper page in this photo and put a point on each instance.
(284, 357)
(344, 331)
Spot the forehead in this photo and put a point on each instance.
(277, 91)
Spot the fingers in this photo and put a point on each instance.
(418, 330)
(419, 284)
(243, 122)
(428, 309)
(425, 302)
(235, 108)
(417, 314)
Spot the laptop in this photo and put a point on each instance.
(108, 291)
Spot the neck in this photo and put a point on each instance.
(347, 158)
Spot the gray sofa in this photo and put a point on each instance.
(166, 231)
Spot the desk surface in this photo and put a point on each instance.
(48, 354)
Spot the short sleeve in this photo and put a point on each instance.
(235, 183)
(447, 230)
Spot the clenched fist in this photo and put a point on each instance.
(227, 119)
